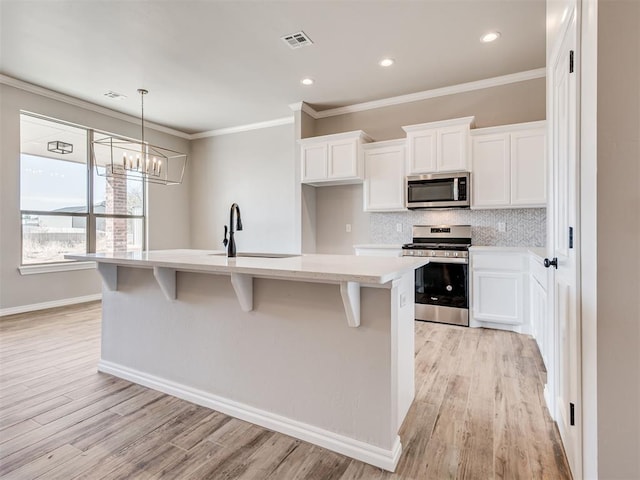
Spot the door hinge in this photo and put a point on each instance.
(570, 237)
(570, 61)
(572, 414)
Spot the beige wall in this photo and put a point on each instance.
(257, 170)
(168, 224)
(513, 103)
(618, 239)
(335, 206)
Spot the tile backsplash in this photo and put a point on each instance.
(525, 227)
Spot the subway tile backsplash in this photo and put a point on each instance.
(525, 227)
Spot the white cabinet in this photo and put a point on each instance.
(509, 166)
(540, 326)
(438, 146)
(333, 159)
(499, 295)
(384, 178)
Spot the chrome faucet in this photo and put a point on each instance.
(231, 243)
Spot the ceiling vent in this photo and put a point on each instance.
(297, 40)
(115, 95)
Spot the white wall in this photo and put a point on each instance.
(257, 170)
(168, 206)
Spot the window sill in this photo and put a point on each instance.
(55, 267)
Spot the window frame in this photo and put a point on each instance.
(90, 215)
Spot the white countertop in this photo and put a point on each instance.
(391, 246)
(308, 267)
(540, 252)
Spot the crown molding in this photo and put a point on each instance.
(243, 128)
(438, 92)
(296, 107)
(61, 97)
(303, 107)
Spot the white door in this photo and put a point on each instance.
(565, 231)
(422, 152)
(452, 148)
(528, 172)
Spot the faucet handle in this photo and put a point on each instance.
(225, 241)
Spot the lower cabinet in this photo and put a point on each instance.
(540, 324)
(499, 290)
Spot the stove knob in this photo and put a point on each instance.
(455, 254)
(446, 254)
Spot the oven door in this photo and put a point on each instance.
(442, 292)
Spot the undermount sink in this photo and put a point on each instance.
(258, 255)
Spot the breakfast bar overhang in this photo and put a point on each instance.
(319, 347)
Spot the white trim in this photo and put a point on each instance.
(441, 124)
(542, 124)
(304, 107)
(243, 128)
(61, 97)
(46, 305)
(438, 92)
(379, 457)
(357, 134)
(55, 267)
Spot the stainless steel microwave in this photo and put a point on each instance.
(439, 190)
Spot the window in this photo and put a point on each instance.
(67, 204)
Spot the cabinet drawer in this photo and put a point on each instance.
(514, 262)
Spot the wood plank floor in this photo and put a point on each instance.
(478, 414)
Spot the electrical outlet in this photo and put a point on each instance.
(502, 227)
(399, 227)
(347, 228)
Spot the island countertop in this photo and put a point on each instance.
(305, 267)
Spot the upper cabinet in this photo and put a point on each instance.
(384, 178)
(509, 166)
(438, 146)
(333, 159)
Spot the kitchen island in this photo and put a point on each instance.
(319, 347)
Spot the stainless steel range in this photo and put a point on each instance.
(442, 286)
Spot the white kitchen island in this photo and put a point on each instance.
(319, 347)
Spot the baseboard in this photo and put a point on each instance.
(45, 305)
(379, 457)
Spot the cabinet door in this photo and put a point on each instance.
(490, 170)
(528, 168)
(343, 159)
(498, 297)
(538, 318)
(384, 180)
(422, 152)
(314, 162)
(452, 148)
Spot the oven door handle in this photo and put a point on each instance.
(447, 260)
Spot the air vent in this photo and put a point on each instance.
(297, 40)
(115, 95)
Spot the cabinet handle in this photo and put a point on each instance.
(553, 261)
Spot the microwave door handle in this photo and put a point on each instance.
(455, 189)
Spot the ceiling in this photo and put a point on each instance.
(217, 64)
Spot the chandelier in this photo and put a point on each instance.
(117, 156)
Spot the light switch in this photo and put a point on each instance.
(399, 227)
(502, 227)
(347, 228)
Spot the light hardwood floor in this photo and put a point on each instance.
(478, 414)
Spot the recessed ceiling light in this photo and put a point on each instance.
(490, 37)
(386, 62)
(307, 81)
